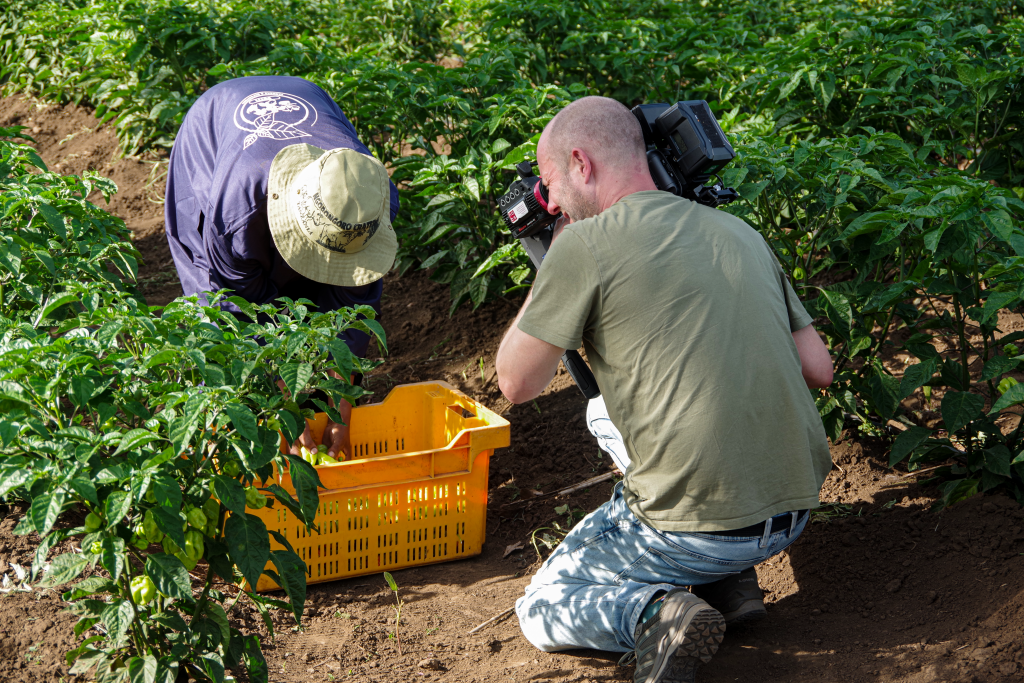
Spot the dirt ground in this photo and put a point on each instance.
(880, 589)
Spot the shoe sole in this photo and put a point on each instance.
(700, 641)
(747, 613)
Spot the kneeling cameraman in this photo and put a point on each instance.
(704, 354)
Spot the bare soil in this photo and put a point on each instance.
(881, 589)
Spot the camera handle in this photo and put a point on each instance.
(581, 373)
(536, 246)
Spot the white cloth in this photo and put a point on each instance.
(609, 439)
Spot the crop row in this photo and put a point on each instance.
(156, 425)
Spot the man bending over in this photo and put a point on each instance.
(704, 354)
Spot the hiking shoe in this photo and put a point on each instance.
(682, 635)
(737, 597)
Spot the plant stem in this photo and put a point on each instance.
(966, 379)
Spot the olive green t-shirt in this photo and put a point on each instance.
(683, 313)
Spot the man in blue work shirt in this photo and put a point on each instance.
(270, 193)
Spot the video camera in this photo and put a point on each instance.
(685, 148)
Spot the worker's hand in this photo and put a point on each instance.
(306, 439)
(337, 441)
(335, 438)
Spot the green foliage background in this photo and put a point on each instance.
(880, 145)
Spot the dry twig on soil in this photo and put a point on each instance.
(571, 489)
(491, 620)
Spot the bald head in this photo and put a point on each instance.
(600, 126)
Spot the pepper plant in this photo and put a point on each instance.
(50, 234)
(163, 428)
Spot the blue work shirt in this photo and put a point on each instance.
(216, 201)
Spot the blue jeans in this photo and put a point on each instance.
(591, 590)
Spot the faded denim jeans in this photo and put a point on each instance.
(591, 590)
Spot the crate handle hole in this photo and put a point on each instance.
(460, 411)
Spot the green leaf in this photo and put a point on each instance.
(243, 420)
(293, 343)
(478, 290)
(994, 302)
(117, 617)
(833, 422)
(959, 408)
(160, 357)
(62, 569)
(342, 356)
(248, 545)
(241, 370)
(826, 89)
(332, 414)
(838, 308)
(431, 260)
(292, 573)
(906, 442)
(44, 511)
(82, 389)
(1012, 397)
(296, 376)
(218, 616)
(12, 477)
(885, 390)
(142, 669)
(90, 586)
(916, 376)
(375, 329)
(997, 460)
(307, 483)
(55, 220)
(85, 488)
(258, 454)
(291, 425)
(182, 428)
(53, 304)
(169, 521)
(230, 492)
(169, 575)
(284, 498)
(135, 439)
(46, 544)
(392, 584)
(113, 556)
(12, 391)
(957, 490)
(167, 491)
(254, 661)
(998, 366)
(472, 186)
(116, 507)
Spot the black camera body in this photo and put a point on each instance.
(685, 149)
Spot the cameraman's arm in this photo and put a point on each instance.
(815, 363)
(525, 364)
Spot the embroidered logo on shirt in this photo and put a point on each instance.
(274, 115)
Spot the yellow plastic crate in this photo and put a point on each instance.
(415, 492)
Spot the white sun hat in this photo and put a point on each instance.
(330, 214)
